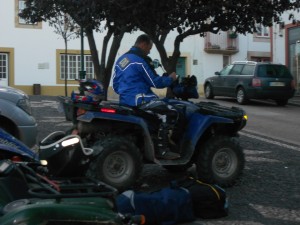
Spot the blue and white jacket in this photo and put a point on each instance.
(133, 78)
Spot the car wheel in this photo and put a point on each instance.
(220, 160)
(241, 97)
(118, 164)
(208, 91)
(281, 102)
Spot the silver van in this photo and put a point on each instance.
(16, 117)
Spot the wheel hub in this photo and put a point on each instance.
(115, 165)
(224, 163)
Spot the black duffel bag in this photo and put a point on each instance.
(209, 200)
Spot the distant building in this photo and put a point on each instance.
(32, 55)
(285, 44)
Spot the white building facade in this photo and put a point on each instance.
(32, 56)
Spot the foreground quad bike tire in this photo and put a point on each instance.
(119, 163)
(220, 160)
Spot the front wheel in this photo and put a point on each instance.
(119, 163)
(220, 160)
(241, 96)
(208, 91)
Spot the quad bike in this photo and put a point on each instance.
(123, 139)
(111, 142)
(29, 197)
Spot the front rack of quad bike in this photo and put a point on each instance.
(237, 114)
(39, 185)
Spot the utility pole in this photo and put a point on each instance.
(82, 72)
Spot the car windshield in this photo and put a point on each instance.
(273, 71)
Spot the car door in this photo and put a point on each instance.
(220, 80)
(231, 80)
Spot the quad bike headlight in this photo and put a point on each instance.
(69, 142)
(44, 162)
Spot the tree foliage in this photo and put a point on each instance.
(158, 18)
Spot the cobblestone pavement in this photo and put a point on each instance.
(268, 192)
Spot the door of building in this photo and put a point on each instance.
(3, 69)
(180, 67)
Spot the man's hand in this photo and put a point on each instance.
(173, 76)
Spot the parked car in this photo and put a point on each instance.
(247, 80)
(16, 117)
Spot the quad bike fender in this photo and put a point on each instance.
(199, 123)
(131, 119)
(77, 210)
(10, 144)
(8, 150)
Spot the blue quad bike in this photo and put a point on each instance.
(123, 138)
(111, 142)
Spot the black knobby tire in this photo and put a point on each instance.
(220, 160)
(241, 96)
(208, 91)
(119, 164)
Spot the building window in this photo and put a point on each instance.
(21, 7)
(262, 31)
(74, 66)
(3, 66)
(21, 23)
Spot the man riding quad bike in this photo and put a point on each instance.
(144, 129)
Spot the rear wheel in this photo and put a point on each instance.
(220, 160)
(281, 102)
(241, 96)
(208, 91)
(119, 163)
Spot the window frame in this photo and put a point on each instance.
(264, 31)
(5, 65)
(21, 23)
(74, 66)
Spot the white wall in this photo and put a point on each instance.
(38, 46)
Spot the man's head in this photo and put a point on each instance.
(144, 43)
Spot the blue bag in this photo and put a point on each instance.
(166, 207)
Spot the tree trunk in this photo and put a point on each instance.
(169, 63)
(112, 56)
(94, 52)
(104, 51)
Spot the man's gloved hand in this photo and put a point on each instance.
(173, 76)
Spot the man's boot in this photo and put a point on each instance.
(163, 150)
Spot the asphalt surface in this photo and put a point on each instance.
(267, 193)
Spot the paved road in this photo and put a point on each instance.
(268, 193)
(269, 120)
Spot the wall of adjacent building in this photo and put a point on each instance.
(34, 53)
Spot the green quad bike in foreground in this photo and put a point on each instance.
(30, 198)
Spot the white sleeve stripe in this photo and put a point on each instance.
(143, 69)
